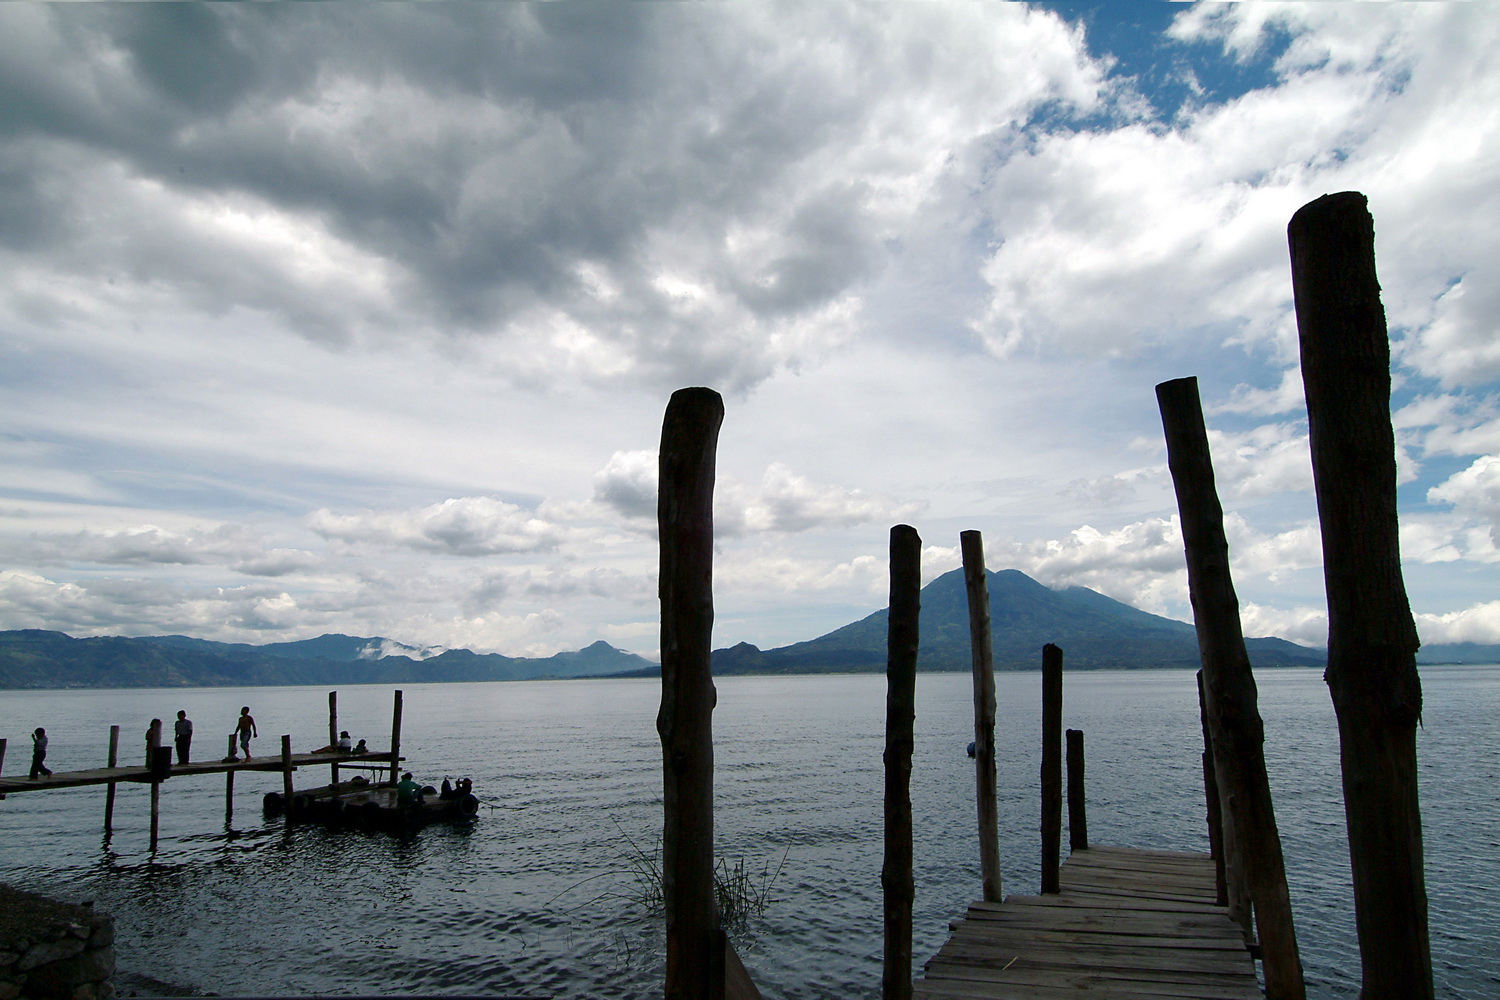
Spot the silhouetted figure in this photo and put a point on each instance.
(39, 754)
(182, 731)
(244, 729)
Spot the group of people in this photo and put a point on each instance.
(182, 738)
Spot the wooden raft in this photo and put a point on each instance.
(1128, 923)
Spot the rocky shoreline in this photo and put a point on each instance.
(51, 950)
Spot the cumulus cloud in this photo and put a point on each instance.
(1475, 491)
(1478, 623)
(462, 526)
(790, 503)
(627, 483)
(1112, 240)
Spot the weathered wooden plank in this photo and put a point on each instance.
(1128, 923)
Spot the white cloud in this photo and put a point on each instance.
(462, 526)
(1478, 623)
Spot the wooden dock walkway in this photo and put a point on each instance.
(1128, 924)
(11, 784)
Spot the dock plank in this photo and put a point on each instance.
(1130, 924)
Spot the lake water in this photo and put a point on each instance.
(542, 895)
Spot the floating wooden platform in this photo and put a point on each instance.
(1128, 924)
(11, 784)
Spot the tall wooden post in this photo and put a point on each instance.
(1240, 910)
(685, 524)
(229, 784)
(1372, 640)
(333, 733)
(113, 760)
(396, 739)
(1052, 665)
(153, 741)
(977, 585)
(287, 795)
(1235, 726)
(3, 743)
(1078, 821)
(903, 619)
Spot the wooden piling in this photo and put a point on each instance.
(1052, 797)
(333, 733)
(1237, 732)
(396, 739)
(896, 879)
(229, 784)
(684, 512)
(286, 775)
(112, 760)
(153, 742)
(1372, 640)
(3, 743)
(1215, 819)
(980, 642)
(1078, 822)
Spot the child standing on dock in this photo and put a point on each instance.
(245, 729)
(39, 754)
(183, 733)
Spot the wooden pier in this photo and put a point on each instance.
(1128, 923)
(13, 784)
(286, 762)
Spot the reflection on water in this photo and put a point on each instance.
(543, 894)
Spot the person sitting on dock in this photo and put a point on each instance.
(39, 754)
(244, 729)
(345, 743)
(182, 731)
(408, 792)
(360, 747)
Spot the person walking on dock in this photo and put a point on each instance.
(39, 754)
(245, 729)
(183, 734)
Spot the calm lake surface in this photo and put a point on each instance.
(542, 895)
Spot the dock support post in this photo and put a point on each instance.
(896, 880)
(333, 732)
(112, 761)
(286, 774)
(1372, 640)
(1078, 820)
(684, 722)
(3, 743)
(229, 755)
(1052, 666)
(1236, 730)
(396, 740)
(980, 642)
(1236, 904)
(153, 742)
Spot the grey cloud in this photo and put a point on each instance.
(481, 156)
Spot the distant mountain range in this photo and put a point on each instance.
(1094, 631)
(33, 658)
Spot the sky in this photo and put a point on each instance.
(363, 318)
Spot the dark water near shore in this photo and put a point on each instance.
(541, 896)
